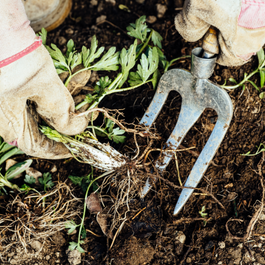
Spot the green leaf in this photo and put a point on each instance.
(73, 245)
(262, 78)
(134, 79)
(80, 249)
(29, 179)
(18, 168)
(162, 59)
(260, 55)
(76, 60)
(43, 35)
(156, 78)
(148, 64)
(231, 79)
(83, 232)
(139, 29)
(70, 47)
(127, 61)
(46, 181)
(88, 56)
(57, 55)
(12, 152)
(156, 39)
(76, 180)
(108, 62)
(253, 84)
(262, 95)
(71, 226)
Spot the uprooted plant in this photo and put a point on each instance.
(145, 56)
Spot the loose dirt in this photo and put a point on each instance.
(233, 232)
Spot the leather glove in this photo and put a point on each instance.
(241, 25)
(27, 73)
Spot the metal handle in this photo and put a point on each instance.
(210, 43)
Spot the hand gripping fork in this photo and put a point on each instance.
(197, 94)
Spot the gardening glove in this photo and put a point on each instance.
(27, 73)
(241, 25)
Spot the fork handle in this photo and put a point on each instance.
(210, 43)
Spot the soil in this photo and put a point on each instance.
(231, 190)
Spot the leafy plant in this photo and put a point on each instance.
(114, 134)
(7, 151)
(203, 214)
(71, 225)
(46, 181)
(260, 69)
(95, 59)
(84, 182)
(261, 148)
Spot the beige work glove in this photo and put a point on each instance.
(241, 25)
(27, 73)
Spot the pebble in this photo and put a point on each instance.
(161, 10)
(47, 257)
(36, 245)
(101, 19)
(74, 256)
(62, 40)
(188, 260)
(181, 237)
(113, 2)
(69, 31)
(221, 245)
(151, 19)
(94, 2)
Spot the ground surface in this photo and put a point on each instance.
(230, 235)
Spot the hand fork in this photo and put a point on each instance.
(197, 94)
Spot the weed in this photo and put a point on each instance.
(203, 214)
(260, 69)
(261, 148)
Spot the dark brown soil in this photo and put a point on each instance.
(155, 236)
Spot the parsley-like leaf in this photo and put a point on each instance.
(71, 226)
(139, 29)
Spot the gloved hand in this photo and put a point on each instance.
(241, 25)
(27, 73)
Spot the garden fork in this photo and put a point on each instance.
(197, 94)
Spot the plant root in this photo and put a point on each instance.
(26, 220)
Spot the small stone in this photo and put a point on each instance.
(13, 261)
(188, 260)
(36, 245)
(54, 169)
(57, 261)
(113, 2)
(57, 254)
(101, 19)
(151, 19)
(69, 31)
(74, 256)
(47, 257)
(62, 40)
(181, 237)
(94, 2)
(221, 245)
(161, 10)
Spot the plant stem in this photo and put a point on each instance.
(145, 44)
(174, 60)
(84, 211)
